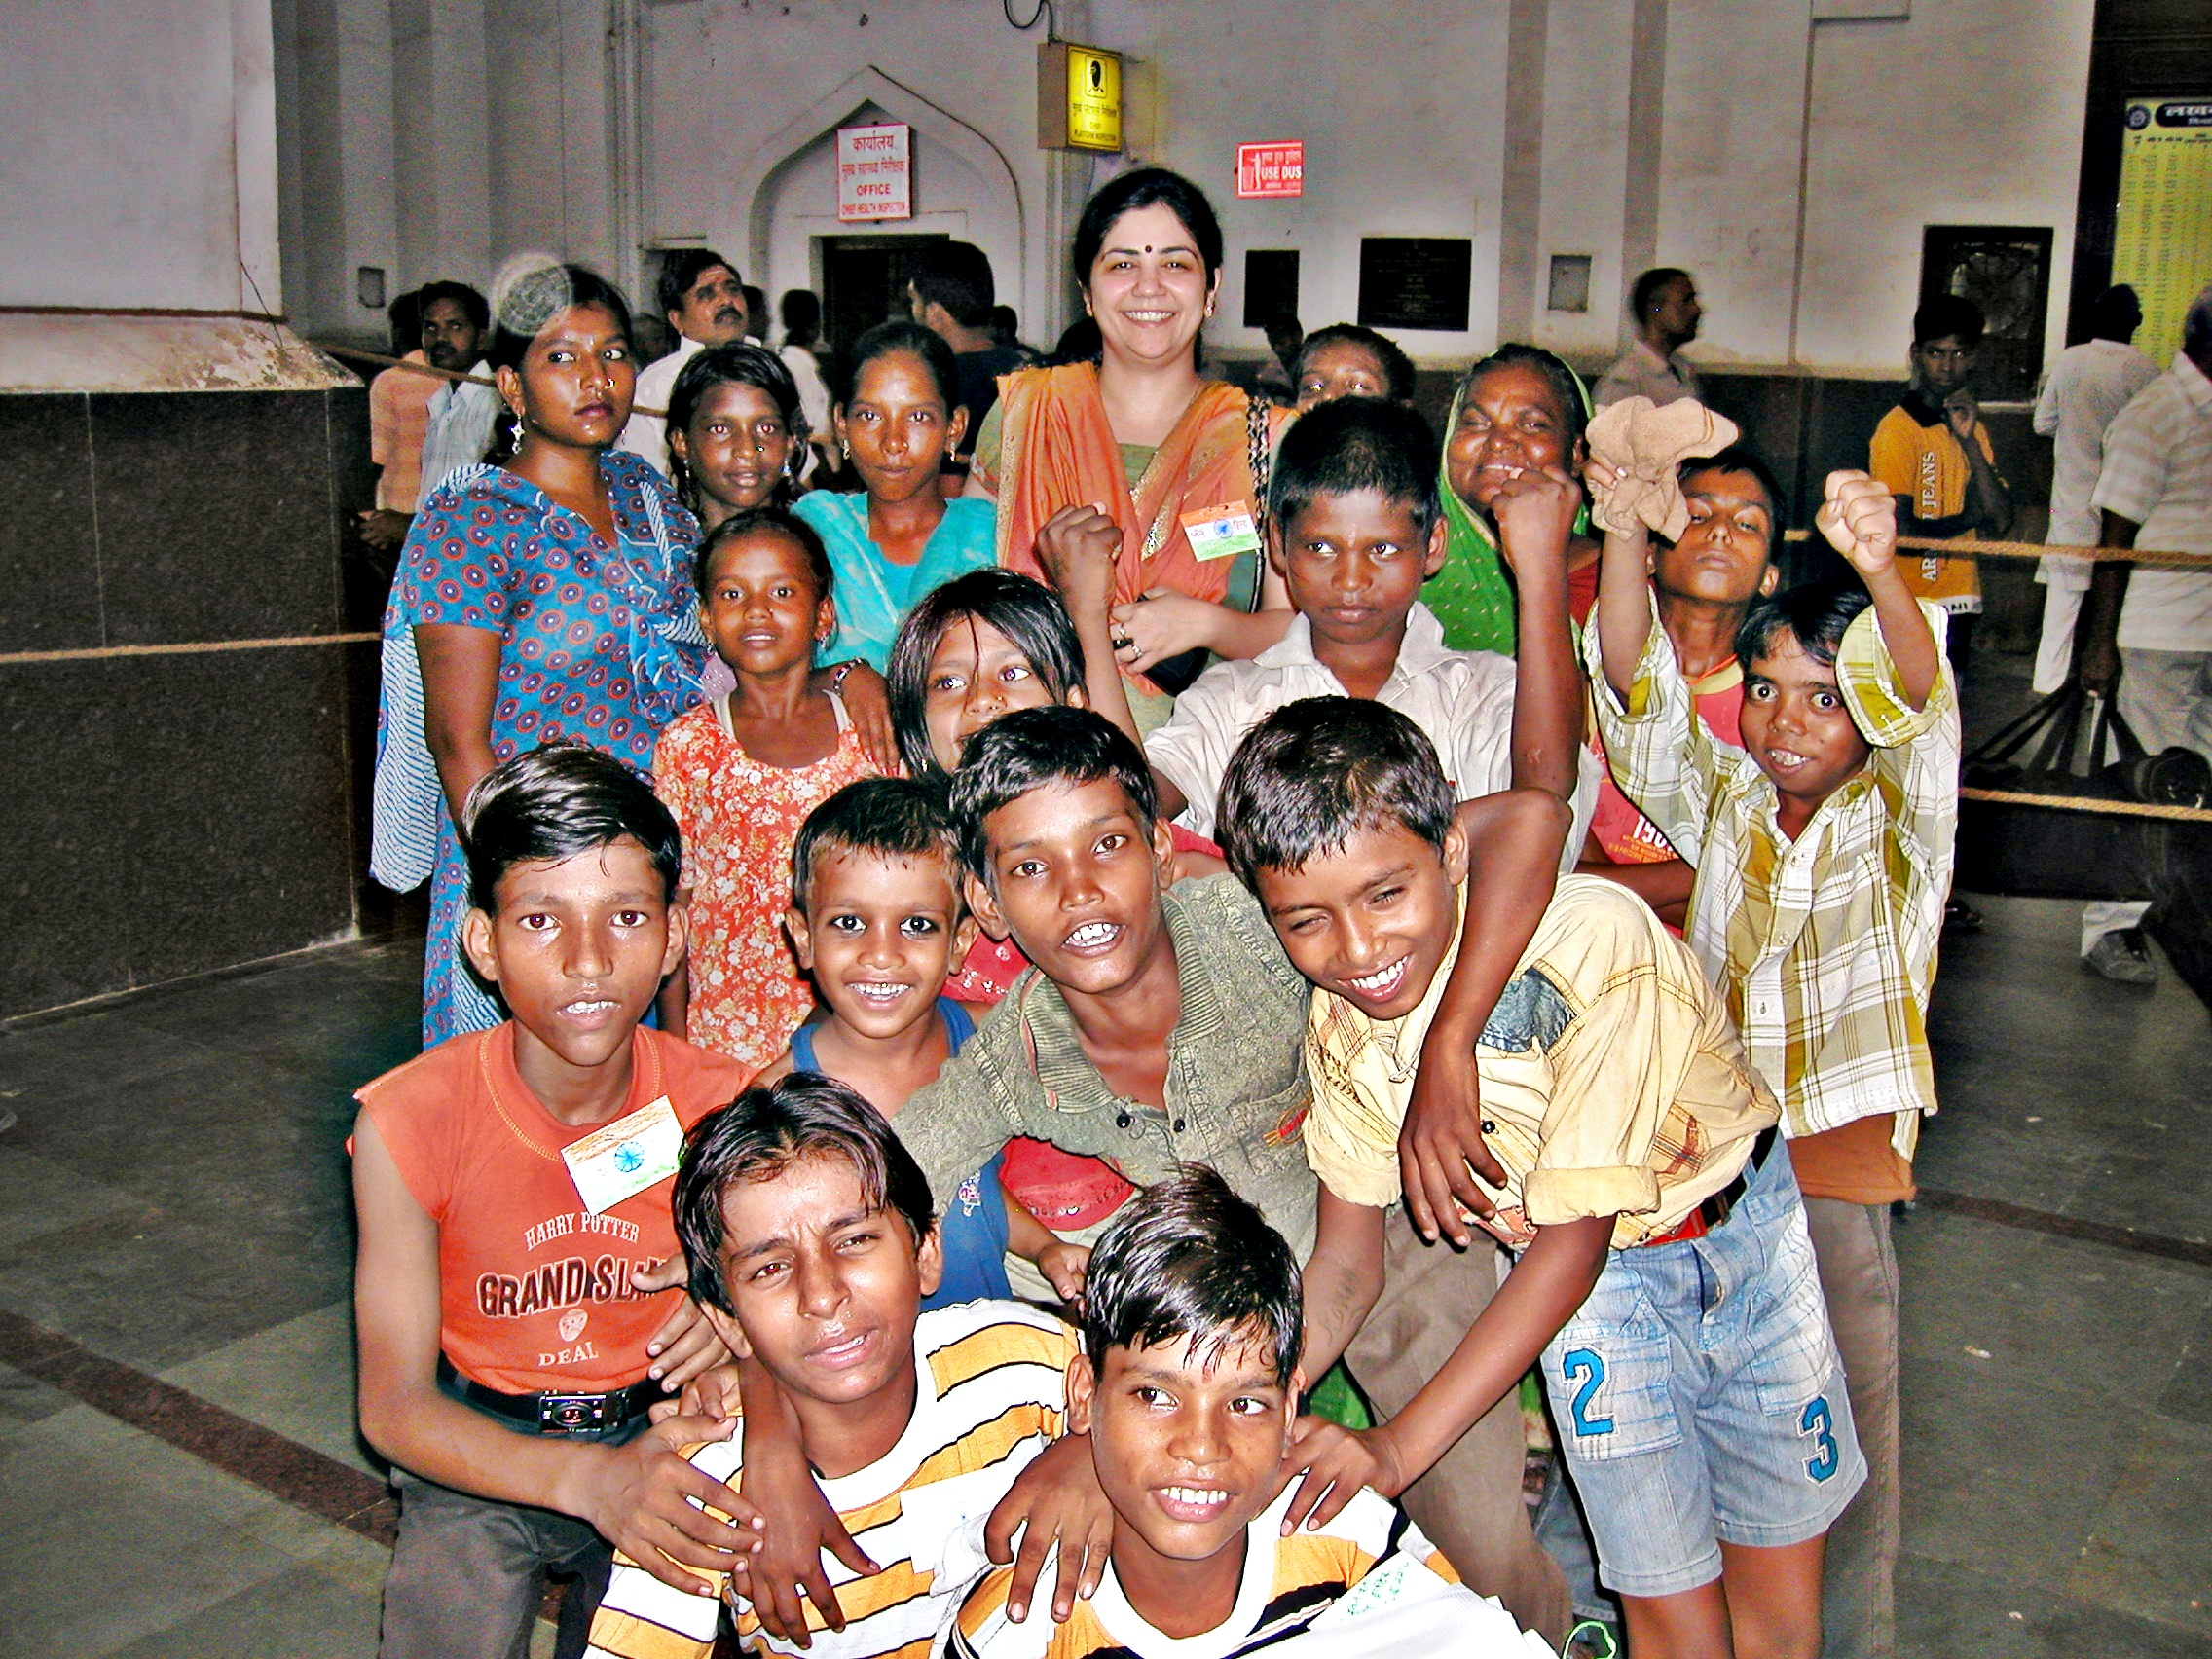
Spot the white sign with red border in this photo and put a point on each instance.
(875, 172)
(1270, 170)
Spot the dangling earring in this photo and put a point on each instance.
(514, 427)
(846, 444)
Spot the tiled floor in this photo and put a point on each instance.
(172, 1202)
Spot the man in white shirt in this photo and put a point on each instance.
(462, 412)
(703, 298)
(1664, 309)
(2154, 492)
(2088, 385)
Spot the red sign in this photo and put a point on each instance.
(1270, 170)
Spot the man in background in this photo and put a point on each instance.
(406, 405)
(2155, 495)
(2088, 385)
(462, 412)
(951, 293)
(801, 353)
(703, 298)
(1933, 454)
(1664, 311)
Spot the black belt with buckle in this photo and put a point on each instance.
(1717, 1206)
(556, 1414)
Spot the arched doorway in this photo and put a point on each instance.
(963, 191)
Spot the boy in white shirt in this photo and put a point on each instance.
(1354, 530)
(1188, 1386)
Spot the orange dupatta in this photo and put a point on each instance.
(1056, 451)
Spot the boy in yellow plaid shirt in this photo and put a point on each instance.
(1823, 849)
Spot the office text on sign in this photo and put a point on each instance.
(875, 176)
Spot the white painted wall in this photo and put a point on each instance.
(1960, 115)
(608, 125)
(138, 169)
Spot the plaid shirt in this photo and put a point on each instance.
(1824, 945)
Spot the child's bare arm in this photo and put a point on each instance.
(1057, 1505)
(1514, 840)
(1624, 596)
(1063, 1264)
(785, 1573)
(1859, 516)
(1077, 547)
(1340, 1280)
(1536, 524)
(635, 1495)
(1551, 1281)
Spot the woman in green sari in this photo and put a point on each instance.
(1518, 408)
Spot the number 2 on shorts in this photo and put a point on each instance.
(1589, 1365)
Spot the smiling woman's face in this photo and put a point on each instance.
(1510, 421)
(1149, 290)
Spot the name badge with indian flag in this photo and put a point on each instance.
(626, 1157)
(1223, 532)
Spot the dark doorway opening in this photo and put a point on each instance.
(864, 282)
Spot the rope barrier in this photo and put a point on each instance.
(2091, 804)
(436, 373)
(2037, 550)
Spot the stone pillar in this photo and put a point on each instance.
(174, 755)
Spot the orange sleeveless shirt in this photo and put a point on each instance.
(534, 1290)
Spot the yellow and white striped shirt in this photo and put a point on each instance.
(1366, 1585)
(1825, 946)
(991, 1394)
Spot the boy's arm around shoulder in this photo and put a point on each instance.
(635, 1495)
(640, 1618)
(955, 1124)
(1514, 840)
(1552, 1278)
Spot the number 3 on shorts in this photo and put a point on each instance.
(1589, 1366)
(1815, 1423)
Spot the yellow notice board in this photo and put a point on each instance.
(1078, 97)
(2162, 238)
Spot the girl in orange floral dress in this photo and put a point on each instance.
(741, 772)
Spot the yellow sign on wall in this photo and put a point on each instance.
(1078, 97)
(2162, 240)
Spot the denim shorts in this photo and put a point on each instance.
(1699, 1399)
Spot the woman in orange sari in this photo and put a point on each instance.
(1134, 473)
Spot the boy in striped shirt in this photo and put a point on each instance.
(1188, 1386)
(811, 1240)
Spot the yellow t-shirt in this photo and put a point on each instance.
(1928, 465)
(1612, 1081)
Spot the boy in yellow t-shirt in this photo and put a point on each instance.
(1933, 455)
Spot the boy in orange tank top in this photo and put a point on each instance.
(515, 1284)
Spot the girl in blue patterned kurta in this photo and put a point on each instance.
(545, 599)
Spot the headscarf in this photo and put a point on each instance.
(1472, 595)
